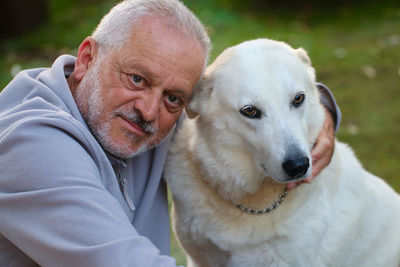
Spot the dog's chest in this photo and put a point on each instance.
(269, 254)
(253, 240)
(273, 252)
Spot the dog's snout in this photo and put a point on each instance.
(296, 167)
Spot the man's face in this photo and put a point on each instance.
(135, 94)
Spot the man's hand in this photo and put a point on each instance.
(322, 151)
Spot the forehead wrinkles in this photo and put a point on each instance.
(176, 62)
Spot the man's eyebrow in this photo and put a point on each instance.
(142, 70)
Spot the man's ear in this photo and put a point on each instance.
(199, 98)
(302, 54)
(87, 52)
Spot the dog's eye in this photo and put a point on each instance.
(298, 100)
(250, 112)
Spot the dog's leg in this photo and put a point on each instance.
(205, 254)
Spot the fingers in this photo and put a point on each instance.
(324, 147)
(322, 151)
(321, 156)
(293, 185)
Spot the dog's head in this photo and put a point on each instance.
(259, 100)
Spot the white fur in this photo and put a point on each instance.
(346, 217)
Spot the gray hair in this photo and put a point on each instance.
(115, 27)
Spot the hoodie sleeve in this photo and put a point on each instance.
(328, 100)
(54, 207)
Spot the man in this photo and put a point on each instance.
(83, 143)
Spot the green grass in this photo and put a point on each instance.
(354, 48)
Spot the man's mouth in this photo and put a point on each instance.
(139, 126)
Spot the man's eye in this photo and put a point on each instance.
(137, 79)
(174, 100)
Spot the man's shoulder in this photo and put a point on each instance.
(45, 127)
(40, 88)
(49, 145)
(38, 103)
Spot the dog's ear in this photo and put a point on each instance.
(192, 108)
(199, 98)
(302, 54)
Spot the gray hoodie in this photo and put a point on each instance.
(61, 202)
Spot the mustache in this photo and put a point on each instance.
(137, 119)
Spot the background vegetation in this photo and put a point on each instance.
(354, 46)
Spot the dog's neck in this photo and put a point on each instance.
(268, 193)
(228, 178)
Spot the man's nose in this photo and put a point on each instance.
(149, 105)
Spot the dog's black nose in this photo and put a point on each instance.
(296, 167)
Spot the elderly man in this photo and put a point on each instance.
(83, 143)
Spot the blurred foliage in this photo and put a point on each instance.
(354, 46)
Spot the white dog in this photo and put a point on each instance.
(257, 117)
